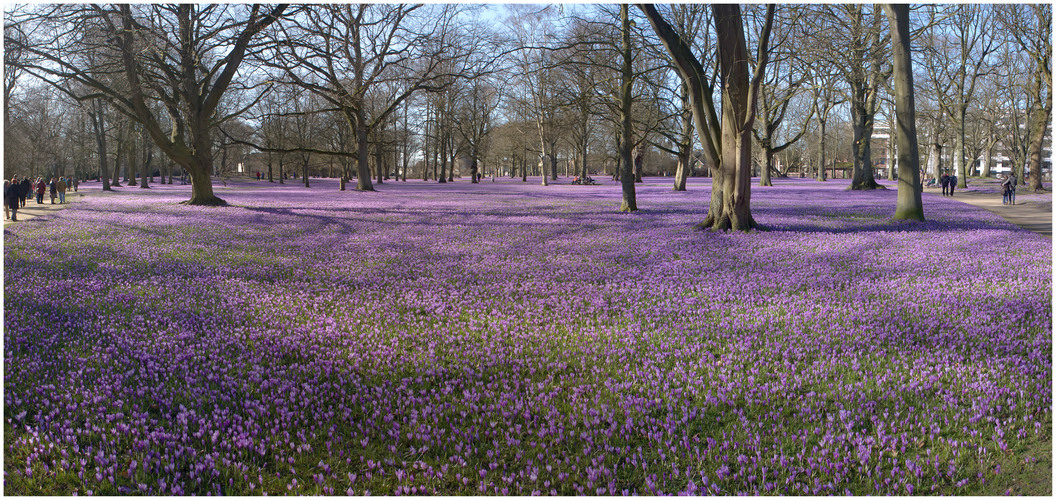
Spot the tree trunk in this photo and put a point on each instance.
(892, 159)
(119, 158)
(130, 155)
(764, 175)
(201, 183)
(683, 169)
(379, 163)
(442, 178)
(908, 204)
(1037, 142)
(935, 159)
(98, 117)
(148, 158)
(685, 145)
(629, 202)
(738, 109)
(988, 157)
(821, 150)
(958, 149)
(363, 182)
(451, 170)
(862, 170)
(583, 174)
(304, 169)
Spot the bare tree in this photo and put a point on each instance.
(783, 84)
(959, 48)
(365, 60)
(1030, 27)
(730, 201)
(183, 57)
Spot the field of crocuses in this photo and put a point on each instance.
(516, 339)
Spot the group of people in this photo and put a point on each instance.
(948, 183)
(16, 192)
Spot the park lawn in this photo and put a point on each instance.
(503, 338)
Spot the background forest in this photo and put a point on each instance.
(437, 92)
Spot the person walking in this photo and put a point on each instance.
(40, 190)
(7, 194)
(945, 182)
(62, 190)
(953, 183)
(23, 192)
(1009, 189)
(11, 190)
(53, 189)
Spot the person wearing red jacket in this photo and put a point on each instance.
(41, 186)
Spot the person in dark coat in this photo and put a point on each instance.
(945, 182)
(1009, 189)
(23, 192)
(953, 183)
(11, 199)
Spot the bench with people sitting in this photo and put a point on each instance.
(587, 180)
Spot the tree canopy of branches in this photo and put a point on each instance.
(167, 67)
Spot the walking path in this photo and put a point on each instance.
(1031, 215)
(32, 209)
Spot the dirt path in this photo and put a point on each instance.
(33, 210)
(1028, 214)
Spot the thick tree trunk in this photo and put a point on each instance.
(862, 171)
(629, 202)
(363, 182)
(304, 169)
(201, 184)
(1037, 142)
(738, 107)
(934, 160)
(908, 204)
(682, 171)
(958, 149)
(764, 176)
